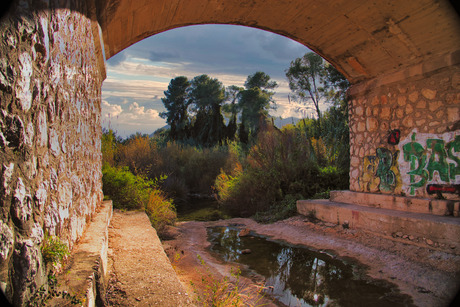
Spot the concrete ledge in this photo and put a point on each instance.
(414, 72)
(143, 272)
(86, 277)
(400, 203)
(440, 229)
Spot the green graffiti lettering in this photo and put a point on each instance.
(437, 160)
(414, 153)
(387, 176)
(452, 147)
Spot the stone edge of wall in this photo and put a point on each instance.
(87, 276)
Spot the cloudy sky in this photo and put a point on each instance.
(138, 76)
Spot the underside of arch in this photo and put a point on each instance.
(363, 39)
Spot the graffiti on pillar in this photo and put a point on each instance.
(386, 169)
(430, 160)
(368, 181)
(381, 172)
(393, 138)
(438, 189)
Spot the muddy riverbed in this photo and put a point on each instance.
(429, 277)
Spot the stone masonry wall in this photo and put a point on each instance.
(405, 136)
(50, 159)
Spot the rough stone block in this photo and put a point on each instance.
(385, 113)
(23, 92)
(6, 241)
(435, 105)
(402, 99)
(29, 272)
(429, 93)
(371, 124)
(453, 114)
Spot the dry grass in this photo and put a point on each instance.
(226, 291)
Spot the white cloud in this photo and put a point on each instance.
(110, 110)
(140, 113)
(136, 89)
(130, 119)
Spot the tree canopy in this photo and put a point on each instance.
(206, 96)
(254, 102)
(307, 79)
(195, 108)
(176, 103)
(314, 81)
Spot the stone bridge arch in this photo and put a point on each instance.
(402, 58)
(363, 40)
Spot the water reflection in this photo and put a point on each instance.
(296, 276)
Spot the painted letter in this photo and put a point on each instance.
(387, 176)
(437, 160)
(416, 155)
(452, 147)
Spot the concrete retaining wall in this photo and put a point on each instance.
(86, 278)
(442, 230)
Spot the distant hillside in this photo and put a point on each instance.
(281, 122)
(159, 130)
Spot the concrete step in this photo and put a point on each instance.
(400, 203)
(444, 230)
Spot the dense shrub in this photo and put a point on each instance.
(266, 176)
(139, 154)
(127, 190)
(190, 169)
(132, 192)
(281, 168)
(279, 210)
(161, 211)
(109, 143)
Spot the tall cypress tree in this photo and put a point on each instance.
(176, 103)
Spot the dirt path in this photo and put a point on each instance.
(141, 273)
(429, 276)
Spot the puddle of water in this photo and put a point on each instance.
(297, 276)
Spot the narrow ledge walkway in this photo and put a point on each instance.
(141, 275)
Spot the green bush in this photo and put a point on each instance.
(190, 169)
(53, 252)
(131, 192)
(333, 178)
(280, 210)
(205, 214)
(280, 169)
(125, 189)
